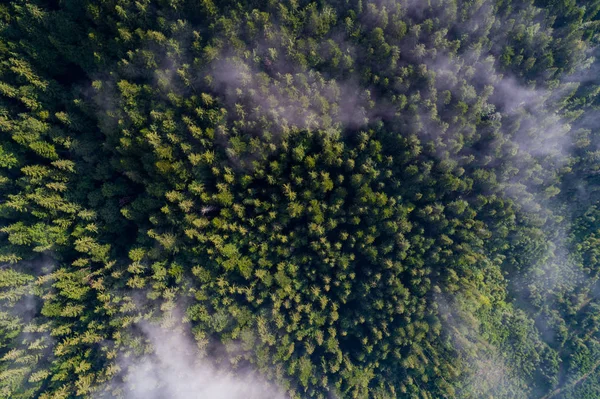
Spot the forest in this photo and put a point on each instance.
(298, 199)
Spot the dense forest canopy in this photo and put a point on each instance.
(303, 199)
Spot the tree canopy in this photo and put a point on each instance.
(351, 198)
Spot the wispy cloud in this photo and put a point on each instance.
(173, 368)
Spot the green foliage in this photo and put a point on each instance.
(366, 199)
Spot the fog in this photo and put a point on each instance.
(173, 368)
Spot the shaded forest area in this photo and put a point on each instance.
(336, 198)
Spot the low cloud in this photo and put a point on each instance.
(301, 100)
(174, 369)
